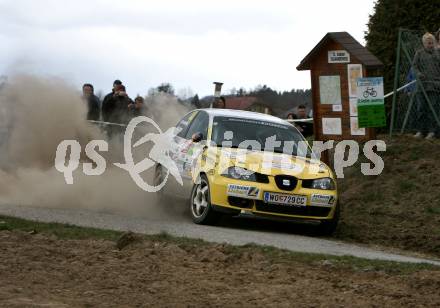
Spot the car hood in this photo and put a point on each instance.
(270, 163)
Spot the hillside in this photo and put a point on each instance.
(399, 208)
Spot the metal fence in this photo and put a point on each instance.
(416, 99)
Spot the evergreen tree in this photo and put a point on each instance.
(196, 101)
(166, 88)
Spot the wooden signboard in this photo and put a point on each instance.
(335, 64)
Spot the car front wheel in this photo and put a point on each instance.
(200, 203)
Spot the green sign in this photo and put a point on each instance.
(370, 102)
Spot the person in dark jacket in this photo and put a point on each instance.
(119, 105)
(93, 103)
(116, 110)
(107, 105)
(306, 128)
(137, 108)
(426, 64)
(291, 116)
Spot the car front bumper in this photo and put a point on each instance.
(248, 198)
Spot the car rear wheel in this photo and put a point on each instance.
(328, 226)
(201, 209)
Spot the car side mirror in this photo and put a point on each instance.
(197, 137)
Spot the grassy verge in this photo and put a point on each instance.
(62, 231)
(274, 255)
(400, 207)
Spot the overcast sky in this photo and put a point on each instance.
(187, 43)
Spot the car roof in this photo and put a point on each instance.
(243, 114)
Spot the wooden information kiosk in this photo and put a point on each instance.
(335, 64)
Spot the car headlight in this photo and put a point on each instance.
(324, 184)
(239, 173)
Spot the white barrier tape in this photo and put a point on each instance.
(125, 125)
(299, 120)
(399, 89)
(107, 123)
(116, 124)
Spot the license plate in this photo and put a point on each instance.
(296, 200)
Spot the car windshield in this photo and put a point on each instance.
(258, 135)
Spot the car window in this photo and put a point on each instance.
(200, 124)
(289, 140)
(183, 124)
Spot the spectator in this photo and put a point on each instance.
(122, 102)
(107, 106)
(93, 102)
(137, 108)
(437, 38)
(219, 102)
(410, 77)
(306, 128)
(116, 108)
(426, 64)
(301, 112)
(291, 116)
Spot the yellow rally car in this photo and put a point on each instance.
(239, 162)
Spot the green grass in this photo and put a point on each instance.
(415, 155)
(62, 231)
(433, 209)
(406, 185)
(371, 195)
(274, 255)
(277, 255)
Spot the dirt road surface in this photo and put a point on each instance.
(233, 231)
(44, 271)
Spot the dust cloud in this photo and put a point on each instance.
(36, 114)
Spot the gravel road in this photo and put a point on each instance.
(236, 232)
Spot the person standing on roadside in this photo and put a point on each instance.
(219, 102)
(120, 102)
(108, 104)
(306, 128)
(137, 108)
(93, 102)
(437, 38)
(116, 111)
(426, 64)
(291, 116)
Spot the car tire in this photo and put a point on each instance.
(201, 210)
(328, 226)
